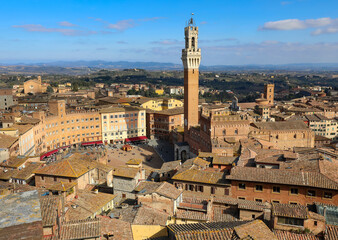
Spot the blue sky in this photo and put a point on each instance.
(231, 32)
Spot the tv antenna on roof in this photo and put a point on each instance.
(191, 21)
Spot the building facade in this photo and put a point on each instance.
(120, 123)
(6, 99)
(62, 127)
(160, 124)
(282, 186)
(322, 126)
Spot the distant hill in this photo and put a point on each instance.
(85, 67)
(114, 65)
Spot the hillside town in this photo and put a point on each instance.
(111, 163)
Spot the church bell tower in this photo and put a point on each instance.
(191, 58)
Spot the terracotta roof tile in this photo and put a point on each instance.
(289, 210)
(147, 187)
(87, 204)
(49, 206)
(7, 141)
(193, 175)
(116, 227)
(278, 176)
(286, 235)
(74, 167)
(82, 229)
(203, 231)
(7, 174)
(192, 215)
(126, 172)
(256, 230)
(134, 162)
(168, 166)
(168, 190)
(222, 160)
(27, 172)
(200, 162)
(13, 162)
(22, 128)
(331, 232)
(283, 125)
(62, 186)
(149, 216)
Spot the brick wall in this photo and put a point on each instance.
(194, 188)
(285, 196)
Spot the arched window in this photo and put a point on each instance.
(236, 131)
(295, 136)
(224, 132)
(193, 42)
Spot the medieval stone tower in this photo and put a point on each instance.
(191, 58)
(269, 92)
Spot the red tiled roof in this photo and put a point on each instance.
(82, 229)
(256, 230)
(192, 215)
(286, 177)
(289, 210)
(286, 235)
(331, 232)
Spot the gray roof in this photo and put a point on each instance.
(283, 125)
(168, 166)
(316, 117)
(20, 208)
(331, 213)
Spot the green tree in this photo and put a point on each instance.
(75, 87)
(50, 89)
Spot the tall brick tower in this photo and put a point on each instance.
(191, 58)
(269, 92)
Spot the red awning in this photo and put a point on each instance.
(134, 139)
(63, 147)
(47, 154)
(91, 143)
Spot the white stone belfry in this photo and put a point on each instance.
(191, 54)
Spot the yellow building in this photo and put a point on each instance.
(159, 91)
(26, 137)
(141, 232)
(124, 122)
(63, 127)
(158, 104)
(34, 86)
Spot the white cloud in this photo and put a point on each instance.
(122, 25)
(168, 42)
(67, 24)
(333, 29)
(150, 19)
(121, 42)
(285, 3)
(321, 25)
(63, 31)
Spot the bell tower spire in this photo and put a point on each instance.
(191, 58)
